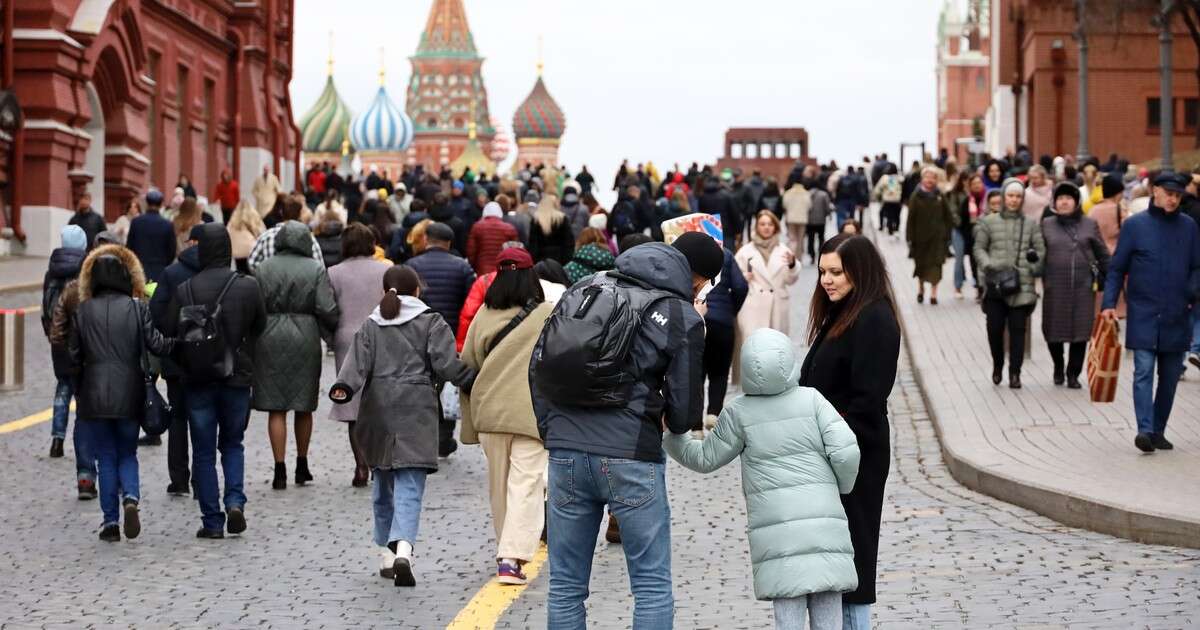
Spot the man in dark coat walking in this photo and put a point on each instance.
(1159, 254)
(152, 238)
(87, 219)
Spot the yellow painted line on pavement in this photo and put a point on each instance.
(486, 607)
(29, 421)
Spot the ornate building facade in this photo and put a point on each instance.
(446, 82)
(118, 95)
(963, 75)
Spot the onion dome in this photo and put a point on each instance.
(383, 127)
(539, 116)
(323, 128)
(501, 142)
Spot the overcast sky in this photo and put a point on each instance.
(661, 80)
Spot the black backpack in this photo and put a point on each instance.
(582, 356)
(202, 350)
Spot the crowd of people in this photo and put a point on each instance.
(1088, 239)
(570, 339)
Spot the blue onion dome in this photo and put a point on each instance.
(323, 128)
(383, 127)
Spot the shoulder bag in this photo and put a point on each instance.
(1002, 283)
(156, 411)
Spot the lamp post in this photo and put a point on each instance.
(1082, 153)
(1167, 98)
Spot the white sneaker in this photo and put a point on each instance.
(402, 567)
(386, 560)
(710, 422)
(1194, 359)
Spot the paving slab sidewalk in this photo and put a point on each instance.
(1047, 448)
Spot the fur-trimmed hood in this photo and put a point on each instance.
(93, 276)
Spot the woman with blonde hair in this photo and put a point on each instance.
(244, 228)
(550, 234)
(188, 217)
(120, 228)
(416, 237)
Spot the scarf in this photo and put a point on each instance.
(765, 245)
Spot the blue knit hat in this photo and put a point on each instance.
(73, 237)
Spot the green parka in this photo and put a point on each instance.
(301, 310)
(996, 248)
(798, 457)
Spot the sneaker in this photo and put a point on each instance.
(1194, 359)
(133, 524)
(150, 440)
(110, 533)
(1160, 442)
(211, 534)
(235, 520)
(56, 447)
(177, 489)
(402, 574)
(1144, 442)
(387, 562)
(87, 489)
(508, 573)
(447, 449)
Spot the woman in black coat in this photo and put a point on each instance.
(855, 345)
(111, 326)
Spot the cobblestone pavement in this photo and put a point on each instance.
(952, 558)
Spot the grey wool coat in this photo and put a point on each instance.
(391, 368)
(301, 311)
(1073, 245)
(357, 287)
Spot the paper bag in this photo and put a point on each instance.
(1104, 360)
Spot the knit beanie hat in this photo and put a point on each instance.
(703, 254)
(1068, 189)
(1012, 183)
(1112, 185)
(73, 237)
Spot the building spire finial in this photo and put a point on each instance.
(329, 66)
(540, 56)
(382, 67)
(471, 124)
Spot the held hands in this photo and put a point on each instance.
(1109, 313)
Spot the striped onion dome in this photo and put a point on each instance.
(539, 116)
(323, 128)
(383, 127)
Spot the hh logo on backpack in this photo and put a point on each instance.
(659, 318)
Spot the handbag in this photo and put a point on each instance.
(1104, 360)
(156, 411)
(1007, 282)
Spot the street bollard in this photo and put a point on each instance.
(12, 349)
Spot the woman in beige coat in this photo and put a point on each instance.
(770, 269)
(498, 413)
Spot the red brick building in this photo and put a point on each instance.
(1035, 64)
(772, 151)
(963, 80)
(118, 95)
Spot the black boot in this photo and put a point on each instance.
(1073, 382)
(56, 447)
(1014, 380)
(280, 481)
(302, 474)
(997, 374)
(1059, 377)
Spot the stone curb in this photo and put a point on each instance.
(1114, 520)
(18, 288)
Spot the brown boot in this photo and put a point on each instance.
(613, 535)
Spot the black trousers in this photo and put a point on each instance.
(177, 435)
(1001, 316)
(718, 358)
(1076, 356)
(814, 238)
(889, 217)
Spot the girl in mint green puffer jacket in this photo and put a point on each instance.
(798, 457)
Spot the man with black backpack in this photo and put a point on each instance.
(215, 316)
(619, 360)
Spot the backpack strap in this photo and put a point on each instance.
(512, 325)
(225, 289)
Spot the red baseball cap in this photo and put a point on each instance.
(514, 258)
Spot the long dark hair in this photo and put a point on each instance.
(868, 276)
(398, 280)
(514, 287)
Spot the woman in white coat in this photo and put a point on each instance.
(770, 269)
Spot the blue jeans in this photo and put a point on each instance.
(114, 443)
(856, 617)
(1154, 407)
(1196, 329)
(959, 243)
(85, 463)
(579, 487)
(396, 497)
(845, 212)
(217, 418)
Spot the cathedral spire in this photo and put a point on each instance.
(447, 33)
(382, 69)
